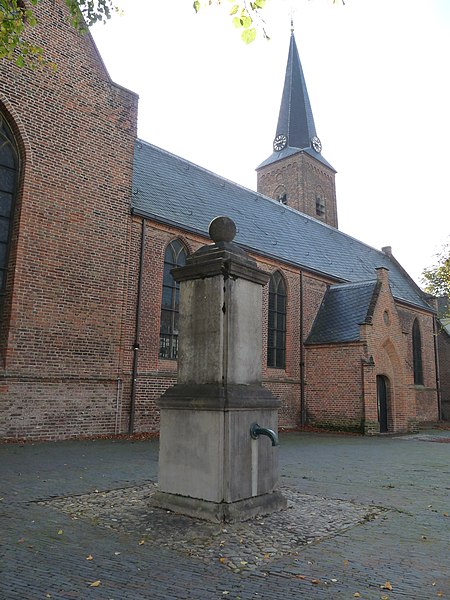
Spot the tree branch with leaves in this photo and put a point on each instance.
(436, 279)
(17, 15)
(245, 15)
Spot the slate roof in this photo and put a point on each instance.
(172, 190)
(344, 308)
(295, 118)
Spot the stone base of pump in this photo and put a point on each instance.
(218, 451)
(221, 512)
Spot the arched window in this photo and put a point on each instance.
(280, 194)
(175, 256)
(417, 353)
(9, 171)
(276, 335)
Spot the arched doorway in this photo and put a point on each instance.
(382, 399)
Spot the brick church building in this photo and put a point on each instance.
(93, 219)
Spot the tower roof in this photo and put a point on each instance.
(295, 120)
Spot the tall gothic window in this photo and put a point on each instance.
(417, 353)
(175, 256)
(276, 335)
(9, 171)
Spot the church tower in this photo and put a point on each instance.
(296, 173)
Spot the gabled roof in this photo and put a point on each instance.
(169, 189)
(344, 308)
(295, 119)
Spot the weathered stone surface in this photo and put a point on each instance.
(210, 466)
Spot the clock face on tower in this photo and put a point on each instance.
(280, 142)
(316, 144)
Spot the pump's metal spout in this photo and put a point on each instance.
(256, 431)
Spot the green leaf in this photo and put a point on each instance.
(196, 6)
(248, 35)
(237, 22)
(246, 21)
(234, 10)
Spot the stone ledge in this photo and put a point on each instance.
(217, 397)
(221, 512)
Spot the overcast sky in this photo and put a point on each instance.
(378, 77)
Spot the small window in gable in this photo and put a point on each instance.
(175, 256)
(276, 333)
(417, 354)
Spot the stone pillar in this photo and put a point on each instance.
(209, 464)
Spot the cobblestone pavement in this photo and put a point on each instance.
(368, 518)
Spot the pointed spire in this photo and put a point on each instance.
(296, 131)
(295, 119)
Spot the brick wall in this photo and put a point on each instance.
(425, 395)
(340, 388)
(334, 386)
(302, 179)
(62, 320)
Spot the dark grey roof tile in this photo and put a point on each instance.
(344, 308)
(172, 190)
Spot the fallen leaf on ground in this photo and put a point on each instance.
(90, 557)
(387, 586)
(300, 577)
(315, 581)
(384, 597)
(60, 532)
(116, 553)
(440, 594)
(356, 595)
(141, 542)
(95, 583)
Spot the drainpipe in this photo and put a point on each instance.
(302, 359)
(137, 334)
(436, 365)
(118, 389)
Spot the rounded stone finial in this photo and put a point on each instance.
(222, 229)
